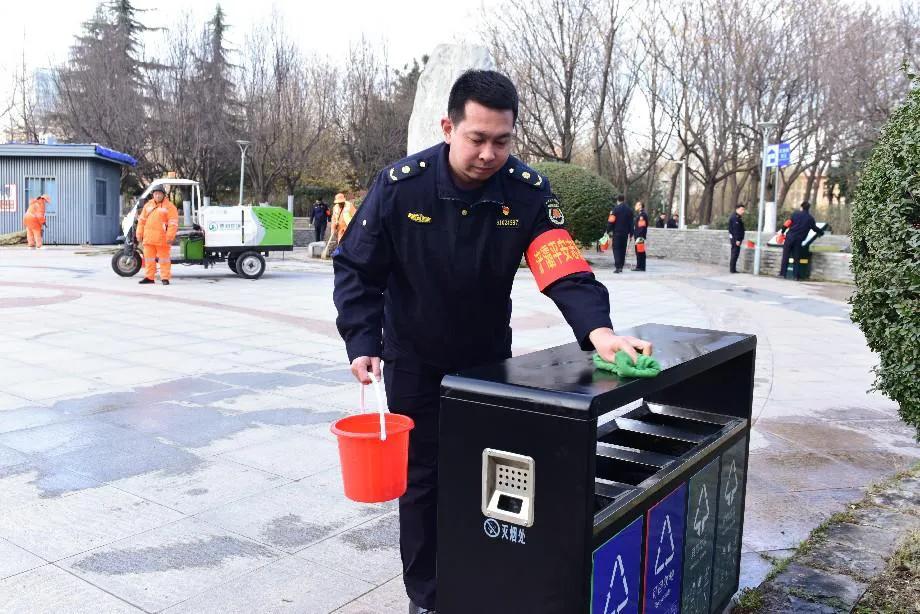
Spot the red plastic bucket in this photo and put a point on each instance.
(374, 465)
(374, 470)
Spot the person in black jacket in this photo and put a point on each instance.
(640, 233)
(736, 234)
(320, 216)
(662, 220)
(423, 278)
(619, 227)
(672, 223)
(798, 226)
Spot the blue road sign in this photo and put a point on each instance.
(777, 155)
(615, 583)
(784, 155)
(664, 553)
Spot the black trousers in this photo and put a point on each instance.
(736, 251)
(791, 248)
(416, 392)
(319, 231)
(640, 254)
(619, 250)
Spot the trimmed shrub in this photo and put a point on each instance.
(886, 256)
(586, 198)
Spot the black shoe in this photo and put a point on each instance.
(165, 282)
(146, 280)
(417, 609)
(618, 270)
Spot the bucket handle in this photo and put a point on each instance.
(381, 405)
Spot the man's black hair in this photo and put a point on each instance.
(740, 206)
(621, 199)
(806, 205)
(487, 87)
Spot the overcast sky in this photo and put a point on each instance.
(46, 29)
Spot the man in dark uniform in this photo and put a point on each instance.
(736, 234)
(640, 234)
(661, 221)
(672, 223)
(798, 226)
(619, 227)
(320, 216)
(430, 258)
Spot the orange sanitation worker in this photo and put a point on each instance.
(156, 229)
(34, 220)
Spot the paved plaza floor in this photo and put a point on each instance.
(168, 448)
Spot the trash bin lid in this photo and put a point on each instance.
(563, 380)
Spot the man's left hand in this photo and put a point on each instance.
(608, 343)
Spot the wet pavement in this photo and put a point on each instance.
(168, 448)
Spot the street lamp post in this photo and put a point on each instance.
(766, 127)
(243, 146)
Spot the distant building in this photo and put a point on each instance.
(84, 182)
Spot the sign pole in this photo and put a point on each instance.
(766, 127)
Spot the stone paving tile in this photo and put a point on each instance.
(170, 564)
(15, 560)
(294, 457)
(296, 515)
(388, 598)
(833, 589)
(369, 551)
(64, 437)
(288, 585)
(209, 485)
(37, 479)
(51, 589)
(57, 528)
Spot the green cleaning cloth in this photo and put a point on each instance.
(645, 366)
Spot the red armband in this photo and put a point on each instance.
(611, 218)
(642, 224)
(554, 255)
(787, 223)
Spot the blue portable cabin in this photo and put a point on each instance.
(84, 182)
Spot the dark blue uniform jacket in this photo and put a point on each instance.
(640, 231)
(802, 222)
(736, 227)
(620, 220)
(432, 266)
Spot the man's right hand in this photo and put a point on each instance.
(361, 365)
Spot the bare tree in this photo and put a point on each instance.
(545, 47)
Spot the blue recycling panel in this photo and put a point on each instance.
(617, 564)
(664, 553)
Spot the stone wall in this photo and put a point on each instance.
(713, 247)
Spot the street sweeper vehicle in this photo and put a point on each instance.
(240, 235)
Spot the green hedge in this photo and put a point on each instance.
(886, 256)
(586, 198)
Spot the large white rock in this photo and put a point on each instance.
(447, 62)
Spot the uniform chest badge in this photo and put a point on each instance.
(506, 210)
(554, 211)
(418, 218)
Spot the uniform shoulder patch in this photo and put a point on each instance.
(525, 174)
(554, 211)
(405, 170)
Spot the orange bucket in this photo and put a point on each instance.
(374, 451)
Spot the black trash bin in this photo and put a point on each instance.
(564, 489)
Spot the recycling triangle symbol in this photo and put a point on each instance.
(731, 484)
(618, 567)
(702, 505)
(665, 530)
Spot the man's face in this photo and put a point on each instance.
(479, 145)
(740, 210)
(158, 197)
(638, 207)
